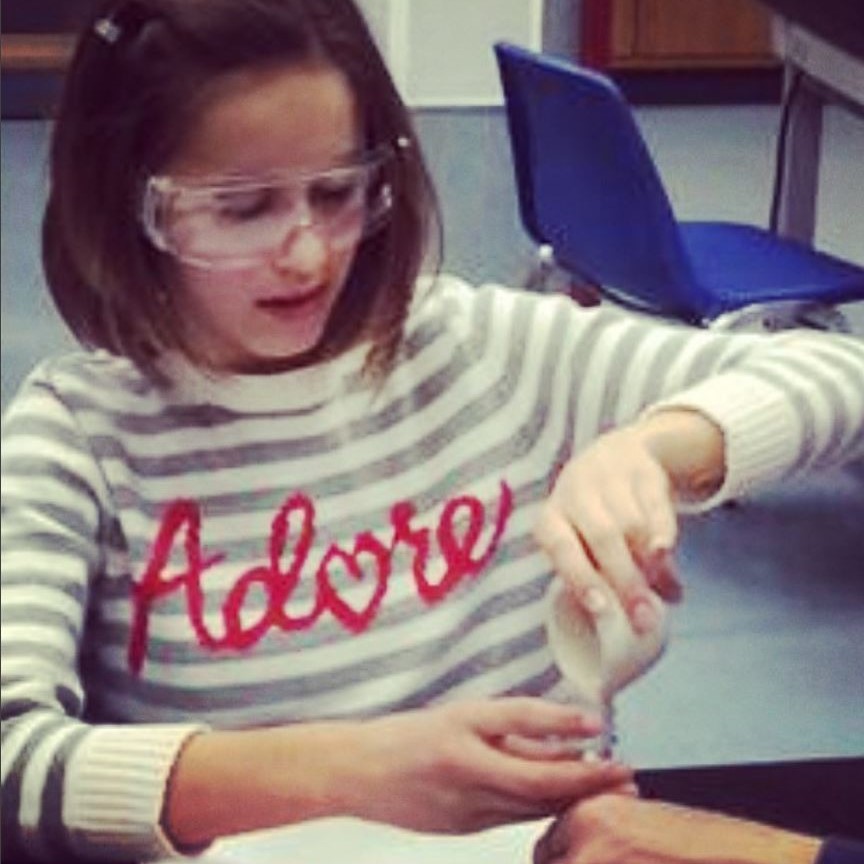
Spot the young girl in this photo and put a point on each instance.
(264, 539)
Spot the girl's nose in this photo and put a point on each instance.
(303, 252)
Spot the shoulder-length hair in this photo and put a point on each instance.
(139, 76)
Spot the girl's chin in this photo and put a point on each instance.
(268, 360)
(273, 365)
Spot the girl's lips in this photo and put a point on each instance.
(292, 302)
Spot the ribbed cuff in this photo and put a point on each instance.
(115, 790)
(762, 432)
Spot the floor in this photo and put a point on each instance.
(766, 657)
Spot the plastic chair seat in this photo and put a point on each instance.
(738, 265)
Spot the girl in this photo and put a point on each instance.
(267, 534)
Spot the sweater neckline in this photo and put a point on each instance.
(292, 390)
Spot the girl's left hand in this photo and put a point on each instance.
(611, 521)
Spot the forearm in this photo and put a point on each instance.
(754, 843)
(794, 405)
(228, 782)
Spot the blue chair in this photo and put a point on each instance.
(591, 198)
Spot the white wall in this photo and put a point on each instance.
(440, 51)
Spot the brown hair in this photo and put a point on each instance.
(133, 87)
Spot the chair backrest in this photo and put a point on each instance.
(587, 184)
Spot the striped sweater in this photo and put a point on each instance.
(271, 549)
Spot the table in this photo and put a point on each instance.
(822, 46)
(797, 795)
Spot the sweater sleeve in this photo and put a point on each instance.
(839, 850)
(787, 405)
(71, 790)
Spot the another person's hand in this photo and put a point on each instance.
(467, 766)
(610, 520)
(613, 829)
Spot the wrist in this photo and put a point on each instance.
(229, 782)
(690, 448)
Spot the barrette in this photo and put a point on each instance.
(124, 22)
(108, 30)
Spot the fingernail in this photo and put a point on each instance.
(589, 723)
(659, 557)
(594, 601)
(644, 617)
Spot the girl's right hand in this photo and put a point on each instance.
(449, 769)
(468, 766)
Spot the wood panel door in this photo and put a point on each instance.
(683, 50)
(690, 33)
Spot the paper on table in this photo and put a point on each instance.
(334, 841)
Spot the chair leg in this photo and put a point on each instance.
(825, 318)
(544, 266)
(783, 315)
(547, 277)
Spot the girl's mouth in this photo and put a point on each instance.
(288, 304)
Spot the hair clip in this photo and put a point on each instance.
(124, 22)
(108, 30)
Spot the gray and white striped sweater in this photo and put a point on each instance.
(259, 550)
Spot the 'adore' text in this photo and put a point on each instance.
(369, 559)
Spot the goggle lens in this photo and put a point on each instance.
(236, 223)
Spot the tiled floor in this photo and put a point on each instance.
(766, 658)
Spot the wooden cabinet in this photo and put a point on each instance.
(711, 41)
(35, 51)
(37, 41)
(690, 33)
(37, 34)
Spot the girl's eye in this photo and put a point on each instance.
(329, 196)
(242, 205)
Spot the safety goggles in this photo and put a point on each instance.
(231, 222)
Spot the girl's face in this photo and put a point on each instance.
(258, 313)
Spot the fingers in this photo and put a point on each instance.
(551, 747)
(527, 776)
(532, 718)
(661, 574)
(652, 490)
(561, 781)
(569, 558)
(520, 796)
(611, 562)
(654, 557)
(606, 535)
(611, 522)
(534, 787)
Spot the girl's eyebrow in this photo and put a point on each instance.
(265, 176)
(226, 193)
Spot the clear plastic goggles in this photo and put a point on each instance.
(239, 221)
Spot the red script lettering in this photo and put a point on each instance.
(368, 562)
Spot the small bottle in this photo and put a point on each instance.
(599, 654)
